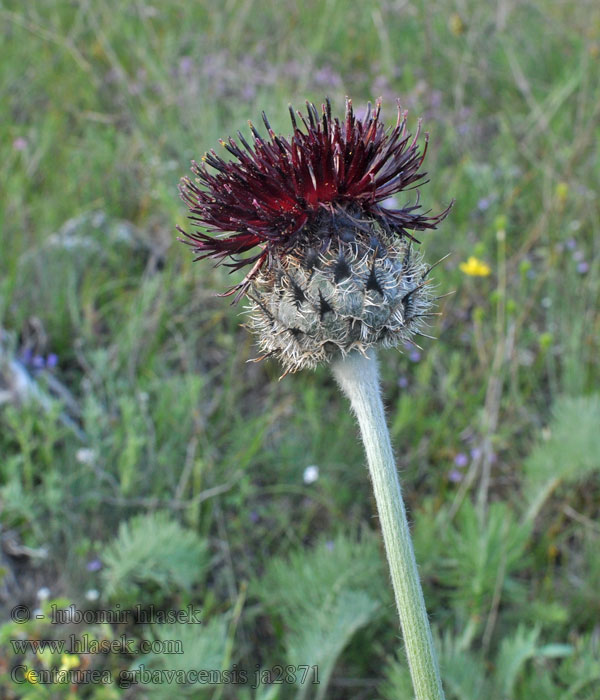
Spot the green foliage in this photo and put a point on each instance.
(323, 597)
(514, 652)
(204, 647)
(580, 672)
(570, 452)
(19, 504)
(465, 675)
(151, 558)
(484, 552)
(478, 556)
(330, 627)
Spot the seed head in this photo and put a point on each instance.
(333, 268)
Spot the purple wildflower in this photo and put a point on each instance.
(185, 65)
(461, 460)
(52, 360)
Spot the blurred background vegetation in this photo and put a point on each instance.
(144, 461)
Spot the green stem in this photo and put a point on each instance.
(359, 379)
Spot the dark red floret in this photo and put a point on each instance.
(273, 188)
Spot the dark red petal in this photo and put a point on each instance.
(272, 188)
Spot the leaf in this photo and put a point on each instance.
(514, 652)
(153, 551)
(323, 638)
(203, 649)
(571, 452)
(323, 597)
(483, 551)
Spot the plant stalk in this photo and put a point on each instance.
(358, 378)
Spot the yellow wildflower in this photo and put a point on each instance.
(31, 676)
(561, 192)
(475, 267)
(69, 661)
(457, 26)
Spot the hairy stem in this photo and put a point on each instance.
(359, 379)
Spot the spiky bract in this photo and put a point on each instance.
(362, 290)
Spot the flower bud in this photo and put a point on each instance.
(336, 268)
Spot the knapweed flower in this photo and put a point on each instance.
(333, 269)
(475, 267)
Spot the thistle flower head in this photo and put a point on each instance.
(332, 267)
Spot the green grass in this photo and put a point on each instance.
(153, 405)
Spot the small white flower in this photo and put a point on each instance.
(92, 595)
(85, 455)
(43, 593)
(311, 474)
